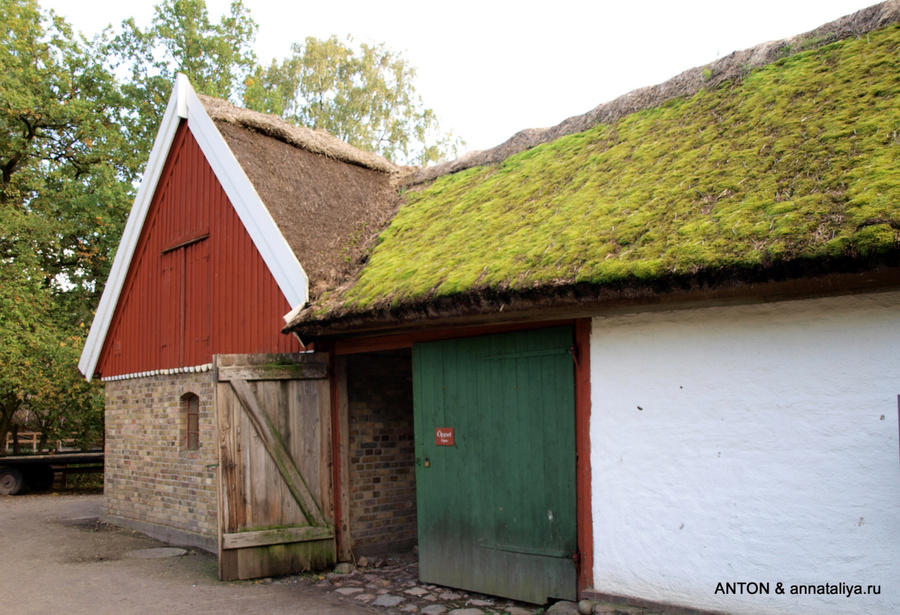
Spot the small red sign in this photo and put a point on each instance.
(443, 436)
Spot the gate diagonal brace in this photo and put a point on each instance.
(279, 454)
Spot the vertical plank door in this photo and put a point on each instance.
(496, 498)
(274, 462)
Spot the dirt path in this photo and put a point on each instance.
(56, 558)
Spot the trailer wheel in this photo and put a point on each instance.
(10, 481)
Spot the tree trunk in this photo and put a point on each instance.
(7, 412)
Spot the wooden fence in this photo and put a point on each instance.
(32, 439)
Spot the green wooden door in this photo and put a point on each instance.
(496, 509)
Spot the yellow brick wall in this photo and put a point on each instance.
(150, 476)
(382, 452)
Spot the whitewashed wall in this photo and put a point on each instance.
(754, 443)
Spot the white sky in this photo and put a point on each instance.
(491, 68)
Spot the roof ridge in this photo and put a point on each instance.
(315, 141)
(687, 83)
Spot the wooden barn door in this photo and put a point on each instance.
(495, 473)
(274, 464)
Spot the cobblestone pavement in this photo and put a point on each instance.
(391, 584)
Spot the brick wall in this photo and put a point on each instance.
(152, 482)
(382, 452)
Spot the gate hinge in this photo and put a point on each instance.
(573, 350)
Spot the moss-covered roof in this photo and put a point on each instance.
(798, 161)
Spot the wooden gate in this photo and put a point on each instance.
(274, 465)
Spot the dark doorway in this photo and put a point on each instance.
(382, 479)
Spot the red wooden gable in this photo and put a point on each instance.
(197, 285)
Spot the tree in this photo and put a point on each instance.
(62, 199)
(20, 301)
(363, 95)
(73, 141)
(38, 366)
(78, 119)
(216, 57)
(58, 136)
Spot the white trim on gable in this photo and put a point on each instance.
(265, 234)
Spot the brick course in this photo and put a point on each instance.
(150, 476)
(382, 452)
(152, 480)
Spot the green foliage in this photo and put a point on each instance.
(363, 95)
(181, 39)
(62, 203)
(84, 483)
(57, 136)
(77, 122)
(216, 57)
(797, 162)
(38, 363)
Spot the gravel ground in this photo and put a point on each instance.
(57, 558)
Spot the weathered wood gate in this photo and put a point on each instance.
(274, 465)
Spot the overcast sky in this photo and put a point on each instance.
(491, 68)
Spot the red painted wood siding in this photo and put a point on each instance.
(197, 285)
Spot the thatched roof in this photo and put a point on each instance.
(721, 177)
(315, 141)
(328, 198)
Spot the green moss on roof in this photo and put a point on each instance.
(801, 160)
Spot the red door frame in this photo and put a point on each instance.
(583, 517)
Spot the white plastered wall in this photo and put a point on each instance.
(749, 444)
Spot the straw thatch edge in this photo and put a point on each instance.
(828, 277)
(730, 68)
(315, 141)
